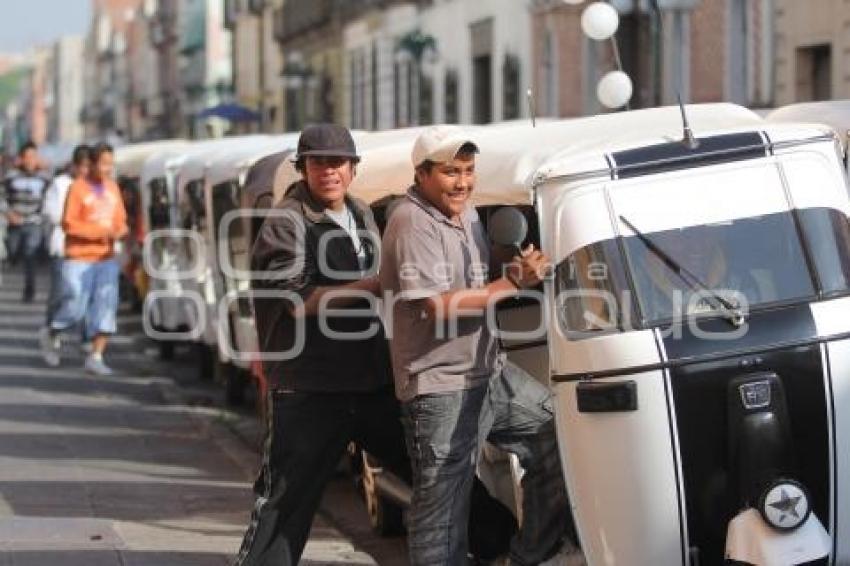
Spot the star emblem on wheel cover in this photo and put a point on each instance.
(785, 505)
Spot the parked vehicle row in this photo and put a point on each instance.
(694, 331)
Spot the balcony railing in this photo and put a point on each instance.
(354, 9)
(302, 16)
(257, 7)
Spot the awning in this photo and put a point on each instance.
(231, 112)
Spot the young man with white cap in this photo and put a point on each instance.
(456, 387)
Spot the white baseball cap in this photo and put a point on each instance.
(440, 144)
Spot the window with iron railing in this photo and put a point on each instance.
(451, 98)
(300, 16)
(511, 87)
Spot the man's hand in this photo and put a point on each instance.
(14, 218)
(529, 268)
(310, 307)
(370, 285)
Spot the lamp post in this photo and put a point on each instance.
(599, 21)
(415, 45)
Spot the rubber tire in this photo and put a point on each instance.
(205, 361)
(236, 383)
(166, 350)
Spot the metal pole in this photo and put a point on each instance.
(617, 60)
(262, 76)
(656, 52)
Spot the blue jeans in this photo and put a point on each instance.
(22, 242)
(55, 296)
(444, 434)
(90, 294)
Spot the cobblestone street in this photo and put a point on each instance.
(131, 469)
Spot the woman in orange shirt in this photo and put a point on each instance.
(94, 220)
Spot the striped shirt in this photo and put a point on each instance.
(23, 193)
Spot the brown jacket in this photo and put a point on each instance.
(287, 249)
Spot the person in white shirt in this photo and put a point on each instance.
(54, 207)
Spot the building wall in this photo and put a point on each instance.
(310, 81)
(205, 61)
(218, 56)
(107, 69)
(272, 65)
(372, 39)
(257, 65)
(38, 118)
(146, 106)
(800, 26)
(558, 80)
(710, 51)
(708, 56)
(68, 90)
(246, 63)
(90, 90)
(450, 23)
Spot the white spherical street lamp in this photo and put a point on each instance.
(600, 21)
(615, 89)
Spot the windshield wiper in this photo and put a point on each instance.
(734, 313)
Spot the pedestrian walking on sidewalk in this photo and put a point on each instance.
(93, 221)
(22, 200)
(318, 250)
(54, 207)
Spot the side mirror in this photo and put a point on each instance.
(508, 227)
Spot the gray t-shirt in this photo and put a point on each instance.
(425, 254)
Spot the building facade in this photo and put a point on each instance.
(167, 105)
(309, 36)
(412, 63)
(65, 88)
(152, 66)
(257, 61)
(108, 97)
(145, 104)
(205, 66)
(701, 50)
(813, 41)
(37, 97)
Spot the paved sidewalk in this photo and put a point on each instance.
(119, 470)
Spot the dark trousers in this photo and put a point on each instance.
(306, 438)
(23, 242)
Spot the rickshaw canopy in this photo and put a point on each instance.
(130, 159)
(833, 113)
